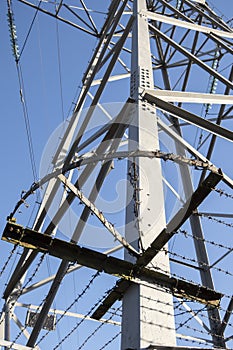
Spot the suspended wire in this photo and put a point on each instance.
(202, 264)
(27, 123)
(223, 15)
(97, 329)
(160, 325)
(207, 317)
(113, 311)
(19, 252)
(178, 305)
(201, 141)
(225, 68)
(34, 317)
(186, 234)
(73, 303)
(182, 278)
(184, 324)
(59, 70)
(89, 10)
(75, 293)
(211, 218)
(8, 259)
(195, 313)
(110, 341)
(196, 330)
(80, 322)
(222, 193)
(16, 54)
(194, 341)
(33, 273)
(30, 29)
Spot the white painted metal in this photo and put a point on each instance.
(197, 318)
(68, 314)
(200, 1)
(14, 346)
(112, 78)
(22, 328)
(191, 97)
(187, 25)
(145, 217)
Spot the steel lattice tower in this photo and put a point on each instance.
(170, 63)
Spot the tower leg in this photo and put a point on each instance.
(148, 317)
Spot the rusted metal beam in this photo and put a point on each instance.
(128, 271)
(115, 294)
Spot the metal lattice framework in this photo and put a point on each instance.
(170, 63)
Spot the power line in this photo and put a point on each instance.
(16, 54)
(29, 30)
(59, 70)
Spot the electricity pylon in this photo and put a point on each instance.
(176, 55)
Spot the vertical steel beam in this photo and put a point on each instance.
(6, 323)
(143, 323)
(218, 122)
(201, 252)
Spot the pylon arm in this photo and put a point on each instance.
(15, 233)
(187, 24)
(181, 113)
(191, 97)
(115, 294)
(91, 32)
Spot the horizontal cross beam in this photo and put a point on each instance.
(186, 24)
(128, 271)
(183, 114)
(191, 97)
(91, 32)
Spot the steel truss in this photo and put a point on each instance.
(162, 46)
